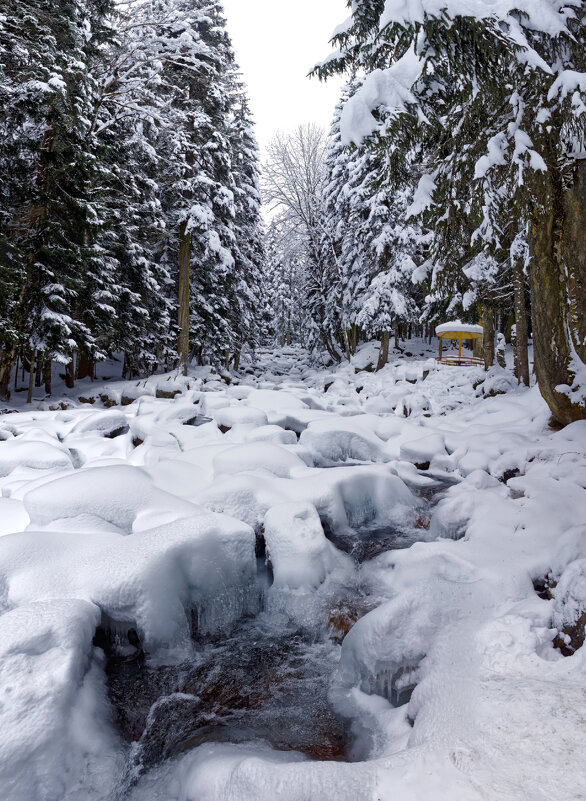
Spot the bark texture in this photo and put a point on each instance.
(488, 335)
(557, 289)
(86, 366)
(383, 356)
(520, 343)
(6, 365)
(70, 374)
(47, 376)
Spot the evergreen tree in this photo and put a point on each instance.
(48, 217)
(488, 99)
(249, 256)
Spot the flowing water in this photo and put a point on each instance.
(268, 678)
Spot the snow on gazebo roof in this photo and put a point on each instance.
(457, 328)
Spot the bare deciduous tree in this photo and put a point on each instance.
(293, 187)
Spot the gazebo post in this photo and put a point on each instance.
(441, 343)
(460, 346)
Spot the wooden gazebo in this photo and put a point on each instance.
(458, 331)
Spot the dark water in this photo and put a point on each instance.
(268, 679)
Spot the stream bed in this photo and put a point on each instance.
(267, 679)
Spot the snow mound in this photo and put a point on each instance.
(16, 453)
(117, 494)
(273, 433)
(149, 581)
(335, 441)
(274, 400)
(231, 416)
(54, 709)
(106, 423)
(264, 456)
(254, 771)
(300, 554)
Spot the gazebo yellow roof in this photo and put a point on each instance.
(458, 330)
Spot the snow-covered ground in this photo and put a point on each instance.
(324, 585)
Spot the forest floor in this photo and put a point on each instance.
(310, 584)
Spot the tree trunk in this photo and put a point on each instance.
(86, 366)
(330, 347)
(558, 276)
(227, 359)
(573, 253)
(39, 373)
(6, 365)
(183, 314)
(347, 343)
(70, 374)
(397, 336)
(47, 376)
(383, 356)
(31, 378)
(237, 359)
(500, 350)
(520, 345)
(488, 336)
(354, 340)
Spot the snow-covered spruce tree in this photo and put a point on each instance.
(494, 99)
(127, 115)
(372, 248)
(248, 251)
(341, 297)
(197, 186)
(47, 162)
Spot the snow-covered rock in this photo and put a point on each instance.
(300, 555)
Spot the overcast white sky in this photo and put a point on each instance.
(276, 43)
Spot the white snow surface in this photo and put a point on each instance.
(137, 517)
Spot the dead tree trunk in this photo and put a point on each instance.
(183, 312)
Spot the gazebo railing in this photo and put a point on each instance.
(460, 361)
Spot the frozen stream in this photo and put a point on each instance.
(267, 679)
